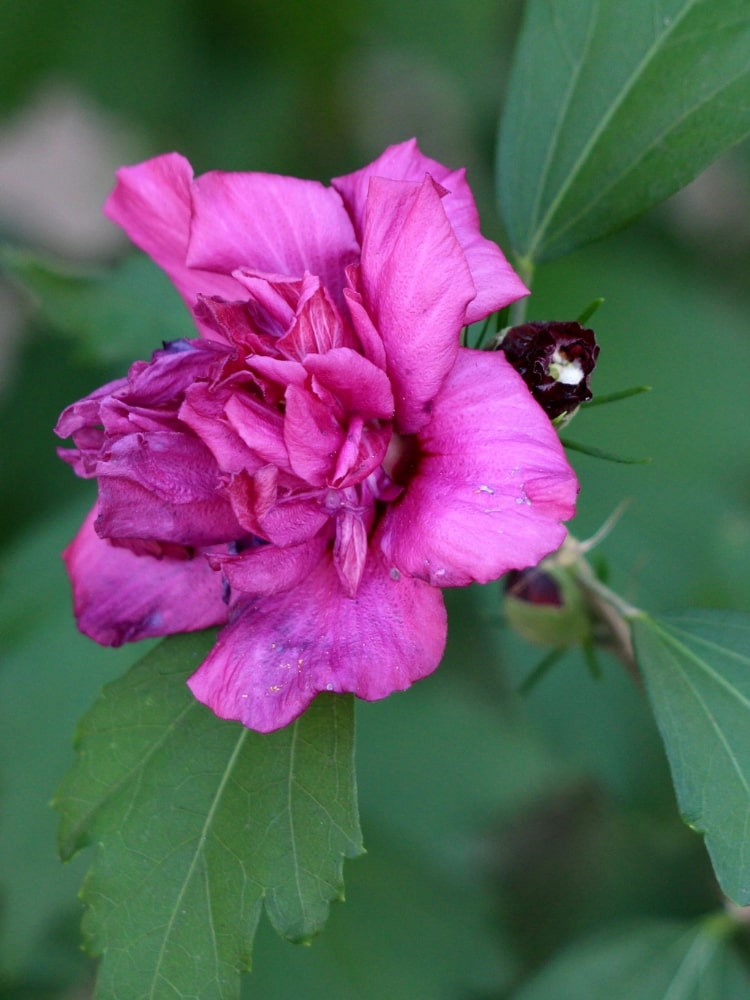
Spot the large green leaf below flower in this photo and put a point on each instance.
(196, 823)
(697, 670)
(612, 107)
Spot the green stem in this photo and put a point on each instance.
(525, 269)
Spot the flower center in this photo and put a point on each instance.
(562, 369)
(401, 458)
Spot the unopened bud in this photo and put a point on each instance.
(545, 605)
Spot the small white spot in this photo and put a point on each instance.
(562, 369)
(524, 497)
(485, 489)
(395, 574)
(329, 687)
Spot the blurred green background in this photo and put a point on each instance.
(499, 831)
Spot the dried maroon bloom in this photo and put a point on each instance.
(555, 361)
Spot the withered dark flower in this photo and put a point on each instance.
(555, 361)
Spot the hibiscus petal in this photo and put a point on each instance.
(371, 341)
(270, 568)
(359, 385)
(120, 597)
(312, 434)
(85, 412)
(152, 202)
(164, 486)
(317, 326)
(266, 505)
(496, 282)
(269, 223)
(203, 412)
(281, 651)
(416, 286)
(492, 484)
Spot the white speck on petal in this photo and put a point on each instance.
(524, 497)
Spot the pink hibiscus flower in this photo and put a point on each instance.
(312, 469)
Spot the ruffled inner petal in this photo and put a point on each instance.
(357, 384)
(272, 505)
(313, 434)
(269, 569)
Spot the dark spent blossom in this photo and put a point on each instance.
(555, 361)
(322, 457)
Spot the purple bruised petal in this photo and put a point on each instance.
(281, 651)
(119, 596)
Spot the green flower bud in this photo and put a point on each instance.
(546, 605)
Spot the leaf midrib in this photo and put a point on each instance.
(200, 844)
(670, 640)
(601, 126)
(635, 163)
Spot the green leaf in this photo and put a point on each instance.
(697, 671)
(612, 107)
(650, 961)
(114, 315)
(197, 821)
(607, 456)
(49, 672)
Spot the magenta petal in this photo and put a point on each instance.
(120, 597)
(85, 412)
(281, 651)
(273, 224)
(266, 506)
(164, 486)
(152, 202)
(203, 411)
(416, 286)
(317, 326)
(492, 486)
(260, 428)
(312, 434)
(269, 569)
(359, 385)
(496, 282)
(371, 341)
